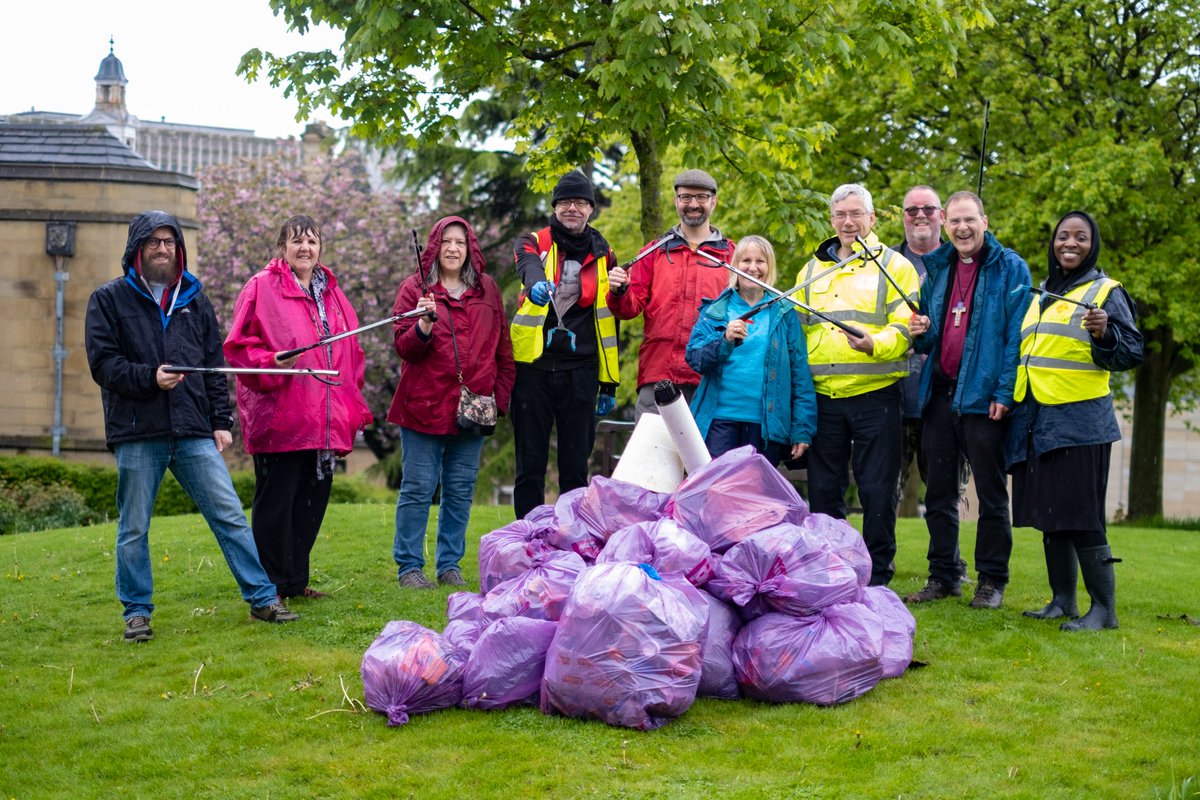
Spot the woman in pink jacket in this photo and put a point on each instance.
(295, 426)
(470, 322)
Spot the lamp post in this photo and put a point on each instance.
(60, 243)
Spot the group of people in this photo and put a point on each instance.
(932, 350)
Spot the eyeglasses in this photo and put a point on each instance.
(169, 243)
(855, 215)
(912, 211)
(575, 203)
(702, 198)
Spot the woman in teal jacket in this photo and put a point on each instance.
(756, 388)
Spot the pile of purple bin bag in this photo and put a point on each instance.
(624, 605)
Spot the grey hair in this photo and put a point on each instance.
(965, 195)
(847, 190)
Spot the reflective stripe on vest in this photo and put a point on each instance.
(1056, 350)
(527, 328)
(843, 376)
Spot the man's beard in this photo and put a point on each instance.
(163, 274)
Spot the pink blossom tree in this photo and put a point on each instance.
(366, 242)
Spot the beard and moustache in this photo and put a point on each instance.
(160, 271)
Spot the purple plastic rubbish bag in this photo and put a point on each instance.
(507, 552)
(542, 516)
(664, 545)
(717, 677)
(506, 666)
(464, 605)
(608, 505)
(825, 658)
(627, 650)
(410, 669)
(461, 634)
(783, 568)
(845, 541)
(733, 496)
(569, 533)
(540, 592)
(899, 627)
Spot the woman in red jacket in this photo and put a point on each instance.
(295, 426)
(471, 331)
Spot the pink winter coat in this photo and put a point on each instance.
(285, 413)
(427, 396)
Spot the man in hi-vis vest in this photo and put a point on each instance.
(564, 342)
(857, 378)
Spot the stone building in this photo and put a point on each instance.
(71, 184)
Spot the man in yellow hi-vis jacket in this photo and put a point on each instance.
(564, 342)
(857, 377)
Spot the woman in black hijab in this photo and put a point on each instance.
(1063, 429)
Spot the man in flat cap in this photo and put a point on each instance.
(564, 342)
(667, 285)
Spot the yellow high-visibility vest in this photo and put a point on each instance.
(1056, 350)
(858, 294)
(527, 328)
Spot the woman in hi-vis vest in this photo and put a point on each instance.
(1064, 425)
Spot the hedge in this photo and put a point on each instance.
(97, 485)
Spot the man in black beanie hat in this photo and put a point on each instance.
(564, 342)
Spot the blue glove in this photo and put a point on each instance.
(539, 293)
(605, 403)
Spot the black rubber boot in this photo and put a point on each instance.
(1062, 567)
(1097, 566)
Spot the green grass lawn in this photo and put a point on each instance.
(220, 707)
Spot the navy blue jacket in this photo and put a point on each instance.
(789, 407)
(993, 343)
(129, 335)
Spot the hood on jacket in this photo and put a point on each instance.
(1060, 281)
(140, 229)
(433, 246)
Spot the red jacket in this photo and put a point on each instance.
(427, 396)
(668, 287)
(285, 413)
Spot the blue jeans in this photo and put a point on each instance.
(201, 472)
(454, 462)
(725, 435)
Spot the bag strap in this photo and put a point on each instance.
(454, 342)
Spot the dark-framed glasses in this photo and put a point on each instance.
(702, 197)
(154, 243)
(912, 211)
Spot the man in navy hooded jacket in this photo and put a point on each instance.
(155, 316)
(970, 326)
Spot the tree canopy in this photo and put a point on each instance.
(1093, 105)
(649, 74)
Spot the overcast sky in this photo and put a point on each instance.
(180, 58)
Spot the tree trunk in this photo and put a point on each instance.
(645, 146)
(1149, 425)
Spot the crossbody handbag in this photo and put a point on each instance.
(476, 413)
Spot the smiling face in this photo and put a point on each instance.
(753, 262)
(453, 252)
(965, 225)
(573, 213)
(922, 220)
(1072, 243)
(850, 218)
(158, 256)
(694, 205)
(302, 250)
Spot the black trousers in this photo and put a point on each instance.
(289, 506)
(865, 430)
(541, 400)
(947, 439)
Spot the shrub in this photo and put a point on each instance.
(95, 488)
(32, 506)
